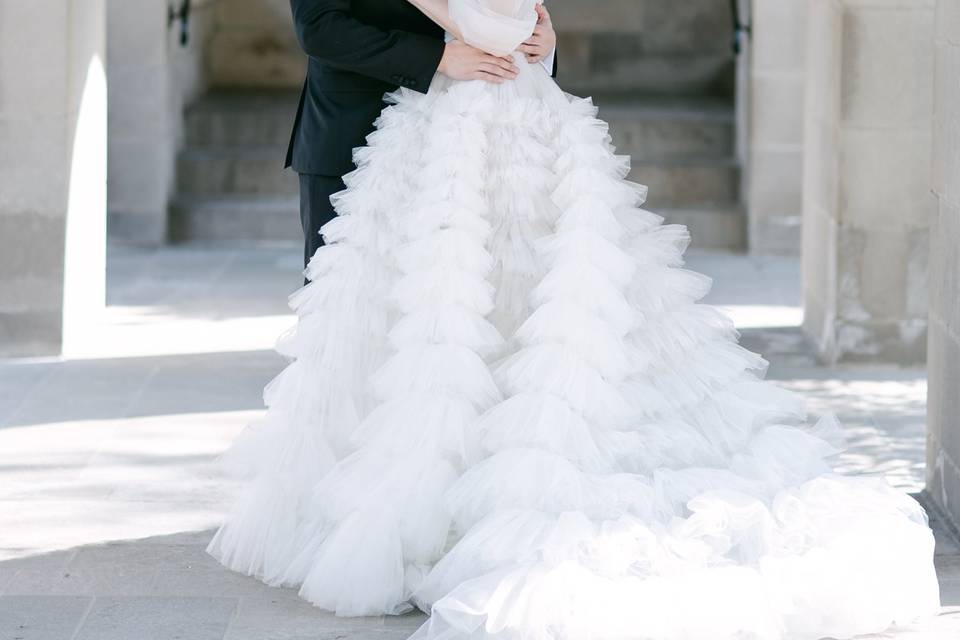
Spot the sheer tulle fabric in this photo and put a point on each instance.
(507, 407)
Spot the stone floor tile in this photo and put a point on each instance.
(17, 381)
(293, 619)
(83, 390)
(157, 618)
(41, 617)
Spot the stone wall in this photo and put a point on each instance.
(253, 45)
(774, 162)
(53, 135)
(152, 77)
(658, 45)
(943, 403)
(867, 178)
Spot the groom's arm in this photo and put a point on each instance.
(328, 32)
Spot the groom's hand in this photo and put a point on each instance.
(544, 39)
(462, 62)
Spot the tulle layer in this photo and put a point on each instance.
(508, 408)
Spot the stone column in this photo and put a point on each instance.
(867, 178)
(943, 364)
(151, 78)
(774, 164)
(53, 133)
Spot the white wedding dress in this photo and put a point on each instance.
(506, 407)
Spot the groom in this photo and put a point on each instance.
(358, 50)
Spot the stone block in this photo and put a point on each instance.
(776, 235)
(819, 284)
(688, 183)
(140, 105)
(31, 333)
(137, 35)
(884, 177)
(157, 618)
(235, 170)
(33, 249)
(41, 617)
(255, 58)
(141, 175)
(241, 118)
(246, 219)
(776, 109)
(821, 168)
(34, 167)
(943, 409)
(646, 134)
(944, 277)
(822, 88)
(946, 123)
(148, 229)
(886, 57)
(38, 89)
(245, 14)
(620, 15)
(779, 35)
(711, 227)
(775, 187)
(947, 20)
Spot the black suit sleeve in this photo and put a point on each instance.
(328, 32)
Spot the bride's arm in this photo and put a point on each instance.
(438, 11)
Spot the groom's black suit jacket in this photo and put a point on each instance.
(358, 50)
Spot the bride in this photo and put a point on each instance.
(507, 408)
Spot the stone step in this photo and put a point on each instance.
(711, 227)
(659, 46)
(236, 220)
(241, 117)
(688, 182)
(242, 169)
(582, 72)
(651, 128)
(663, 24)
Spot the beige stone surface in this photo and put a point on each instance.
(867, 171)
(52, 200)
(943, 438)
(777, 60)
(152, 79)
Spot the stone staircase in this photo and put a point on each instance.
(231, 185)
(682, 149)
(661, 73)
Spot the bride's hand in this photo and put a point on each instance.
(544, 39)
(462, 62)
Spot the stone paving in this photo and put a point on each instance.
(108, 497)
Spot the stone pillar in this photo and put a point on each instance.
(774, 163)
(943, 367)
(867, 178)
(151, 78)
(53, 132)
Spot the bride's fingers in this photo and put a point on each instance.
(497, 70)
(542, 14)
(487, 77)
(501, 63)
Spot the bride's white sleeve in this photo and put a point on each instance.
(495, 26)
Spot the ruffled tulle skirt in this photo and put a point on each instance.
(506, 406)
